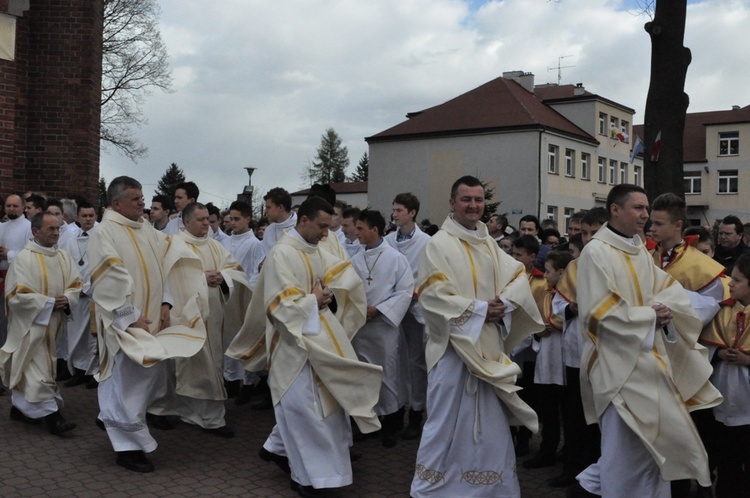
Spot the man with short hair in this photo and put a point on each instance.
(349, 227)
(83, 360)
(130, 262)
(389, 286)
(495, 227)
(314, 374)
(161, 208)
(592, 222)
(529, 225)
(278, 210)
(730, 246)
(409, 240)
(34, 204)
(338, 208)
(641, 366)
(477, 306)
(42, 284)
(69, 228)
(184, 194)
(14, 234)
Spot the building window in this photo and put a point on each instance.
(568, 212)
(570, 162)
(729, 143)
(637, 180)
(614, 124)
(552, 156)
(625, 129)
(623, 172)
(552, 213)
(602, 123)
(612, 171)
(728, 182)
(585, 166)
(601, 178)
(692, 182)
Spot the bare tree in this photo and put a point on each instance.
(135, 61)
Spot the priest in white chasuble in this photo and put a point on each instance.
(195, 392)
(477, 306)
(641, 370)
(315, 377)
(42, 285)
(129, 268)
(389, 286)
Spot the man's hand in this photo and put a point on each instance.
(663, 315)
(495, 310)
(573, 307)
(372, 313)
(323, 294)
(141, 323)
(61, 302)
(214, 278)
(734, 357)
(164, 317)
(3, 253)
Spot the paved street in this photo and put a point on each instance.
(188, 462)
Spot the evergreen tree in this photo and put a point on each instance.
(102, 197)
(362, 171)
(332, 160)
(169, 180)
(489, 207)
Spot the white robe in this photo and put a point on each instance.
(14, 234)
(274, 231)
(389, 286)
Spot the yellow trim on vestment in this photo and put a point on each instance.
(106, 265)
(44, 274)
(471, 263)
(309, 269)
(634, 275)
(145, 268)
(286, 293)
(330, 334)
(19, 289)
(335, 271)
(602, 310)
(436, 277)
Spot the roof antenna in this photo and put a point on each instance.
(559, 68)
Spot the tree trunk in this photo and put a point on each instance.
(667, 101)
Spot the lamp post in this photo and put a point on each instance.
(247, 191)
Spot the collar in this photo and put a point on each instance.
(400, 237)
(110, 215)
(368, 248)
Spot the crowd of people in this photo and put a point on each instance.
(626, 338)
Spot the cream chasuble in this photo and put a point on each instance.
(282, 305)
(332, 245)
(200, 376)
(457, 268)
(652, 378)
(36, 275)
(129, 261)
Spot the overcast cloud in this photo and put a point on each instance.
(257, 82)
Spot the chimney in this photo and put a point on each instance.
(735, 108)
(526, 80)
(579, 89)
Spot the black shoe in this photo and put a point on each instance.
(306, 491)
(244, 396)
(389, 440)
(232, 387)
(577, 491)
(92, 383)
(160, 422)
(16, 414)
(561, 481)
(354, 455)
(100, 425)
(62, 370)
(222, 431)
(414, 429)
(135, 461)
(539, 461)
(281, 461)
(57, 425)
(79, 378)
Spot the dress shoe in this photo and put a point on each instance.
(307, 491)
(16, 414)
(100, 425)
(135, 461)
(281, 461)
(62, 370)
(79, 378)
(222, 431)
(57, 425)
(561, 481)
(232, 387)
(160, 422)
(539, 461)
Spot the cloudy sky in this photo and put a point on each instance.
(257, 82)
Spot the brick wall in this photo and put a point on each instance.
(56, 85)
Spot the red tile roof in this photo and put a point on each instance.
(694, 138)
(340, 188)
(499, 105)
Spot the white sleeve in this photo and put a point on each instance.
(43, 317)
(126, 315)
(705, 306)
(470, 323)
(312, 324)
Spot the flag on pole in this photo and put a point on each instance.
(656, 148)
(638, 147)
(616, 134)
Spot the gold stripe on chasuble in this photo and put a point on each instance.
(181, 334)
(434, 278)
(634, 278)
(309, 269)
(195, 249)
(286, 293)
(44, 275)
(251, 352)
(19, 289)
(601, 310)
(274, 342)
(330, 334)
(471, 263)
(335, 271)
(144, 268)
(106, 265)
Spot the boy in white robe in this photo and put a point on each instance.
(14, 234)
(278, 210)
(410, 241)
(389, 286)
(477, 306)
(42, 284)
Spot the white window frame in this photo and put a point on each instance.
(614, 123)
(552, 213)
(567, 213)
(623, 172)
(602, 170)
(612, 171)
(553, 159)
(693, 182)
(570, 163)
(637, 175)
(585, 166)
(625, 129)
(731, 140)
(603, 120)
(726, 178)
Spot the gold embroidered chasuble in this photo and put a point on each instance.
(281, 306)
(730, 328)
(652, 382)
(36, 274)
(567, 285)
(129, 262)
(693, 269)
(458, 267)
(201, 375)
